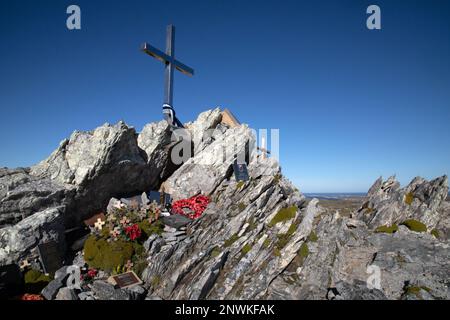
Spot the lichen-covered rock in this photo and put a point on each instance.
(389, 204)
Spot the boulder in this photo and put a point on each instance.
(106, 291)
(19, 241)
(52, 289)
(22, 194)
(66, 294)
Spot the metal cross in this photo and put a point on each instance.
(171, 64)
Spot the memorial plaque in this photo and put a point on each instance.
(127, 279)
(240, 171)
(50, 256)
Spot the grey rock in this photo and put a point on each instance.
(357, 291)
(22, 194)
(106, 291)
(420, 200)
(62, 274)
(19, 241)
(176, 221)
(50, 291)
(86, 295)
(137, 292)
(66, 294)
(209, 167)
(92, 162)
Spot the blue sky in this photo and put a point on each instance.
(351, 104)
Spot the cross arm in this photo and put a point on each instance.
(161, 56)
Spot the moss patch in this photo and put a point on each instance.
(35, 281)
(276, 252)
(266, 243)
(304, 250)
(107, 256)
(151, 228)
(246, 249)
(277, 178)
(283, 215)
(215, 252)
(231, 240)
(415, 225)
(387, 229)
(156, 280)
(313, 237)
(240, 184)
(409, 197)
(435, 233)
(241, 206)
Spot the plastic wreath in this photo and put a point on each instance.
(194, 205)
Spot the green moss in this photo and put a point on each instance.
(105, 232)
(156, 280)
(304, 250)
(283, 215)
(387, 229)
(151, 228)
(215, 252)
(435, 233)
(266, 243)
(409, 197)
(231, 240)
(276, 252)
(35, 281)
(369, 210)
(415, 225)
(252, 224)
(277, 178)
(241, 206)
(313, 237)
(240, 184)
(292, 228)
(104, 255)
(282, 241)
(246, 249)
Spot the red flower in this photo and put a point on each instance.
(91, 273)
(195, 205)
(133, 232)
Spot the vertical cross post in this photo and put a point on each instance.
(170, 51)
(170, 64)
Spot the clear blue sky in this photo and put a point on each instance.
(351, 104)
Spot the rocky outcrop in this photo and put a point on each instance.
(22, 194)
(257, 239)
(389, 204)
(99, 164)
(19, 241)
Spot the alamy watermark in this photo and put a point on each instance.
(73, 21)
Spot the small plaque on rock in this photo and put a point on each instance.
(127, 279)
(240, 171)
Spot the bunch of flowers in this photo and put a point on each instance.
(133, 232)
(192, 207)
(89, 275)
